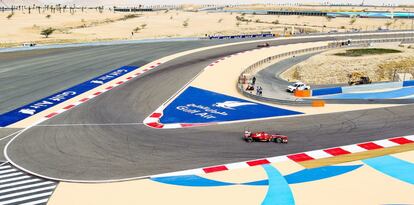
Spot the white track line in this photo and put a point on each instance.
(8, 170)
(10, 175)
(14, 133)
(27, 192)
(14, 179)
(19, 182)
(26, 186)
(41, 201)
(27, 197)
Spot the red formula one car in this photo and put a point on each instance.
(264, 137)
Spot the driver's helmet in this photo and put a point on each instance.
(247, 133)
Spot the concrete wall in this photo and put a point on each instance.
(362, 88)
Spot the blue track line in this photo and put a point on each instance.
(393, 167)
(278, 192)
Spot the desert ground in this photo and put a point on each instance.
(327, 68)
(91, 25)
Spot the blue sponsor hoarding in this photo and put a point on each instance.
(57, 98)
(326, 91)
(196, 105)
(408, 83)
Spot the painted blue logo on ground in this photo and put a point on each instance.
(196, 105)
(278, 192)
(57, 98)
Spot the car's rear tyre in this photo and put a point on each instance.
(249, 140)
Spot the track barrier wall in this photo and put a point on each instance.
(327, 91)
(362, 88)
(371, 87)
(408, 83)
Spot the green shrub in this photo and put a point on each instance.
(47, 32)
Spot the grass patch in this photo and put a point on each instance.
(366, 51)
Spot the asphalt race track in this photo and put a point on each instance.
(27, 76)
(107, 152)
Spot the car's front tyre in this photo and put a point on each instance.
(249, 140)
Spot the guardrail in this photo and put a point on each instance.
(245, 76)
(338, 44)
(252, 68)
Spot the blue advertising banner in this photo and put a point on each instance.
(408, 83)
(196, 105)
(326, 91)
(57, 98)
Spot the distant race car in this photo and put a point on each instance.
(28, 44)
(263, 45)
(297, 86)
(264, 137)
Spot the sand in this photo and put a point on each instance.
(327, 68)
(91, 25)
